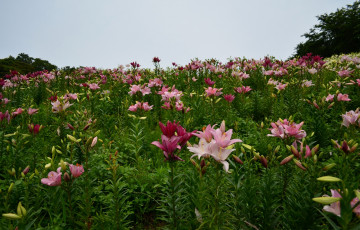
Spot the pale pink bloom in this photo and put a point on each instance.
(344, 73)
(145, 90)
(223, 139)
(307, 83)
(54, 178)
(243, 89)
(206, 133)
(268, 72)
(213, 92)
(133, 108)
(134, 89)
(202, 149)
(166, 105)
(312, 71)
(220, 155)
(350, 118)
(179, 106)
(94, 86)
(343, 97)
(272, 82)
(280, 86)
(358, 81)
(72, 96)
(194, 79)
(229, 97)
(146, 107)
(277, 131)
(76, 170)
(5, 101)
(155, 82)
(334, 207)
(58, 106)
(330, 97)
(32, 111)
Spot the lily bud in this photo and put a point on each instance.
(277, 149)
(298, 164)
(70, 126)
(295, 152)
(329, 166)
(94, 141)
(345, 147)
(326, 200)
(286, 159)
(202, 163)
(328, 179)
(263, 161)
(237, 159)
(11, 216)
(21, 211)
(26, 170)
(353, 148)
(62, 164)
(11, 187)
(331, 105)
(194, 163)
(67, 177)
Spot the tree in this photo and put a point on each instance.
(336, 33)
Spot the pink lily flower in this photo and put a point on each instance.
(229, 97)
(18, 111)
(94, 86)
(58, 106)
(350, 118)
(277, 131)
(169, 145)
(343, 97)
(54, 178)
(32, 111)
(213, 92)
(223, 139)
(76, 170)
(206, 133)
(334, 207)
(330, 97)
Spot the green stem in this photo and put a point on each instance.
(172, 185)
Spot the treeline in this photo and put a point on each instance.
(24, 64)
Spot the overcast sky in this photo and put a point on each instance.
(108, 33)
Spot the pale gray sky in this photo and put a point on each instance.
(108, 33)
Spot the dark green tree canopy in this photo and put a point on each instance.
(24, 64)
(336, 33)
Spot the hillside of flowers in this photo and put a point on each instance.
(246, 144)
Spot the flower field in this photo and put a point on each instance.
(247, 144)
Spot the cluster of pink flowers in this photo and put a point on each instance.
(278, 85)
(340, 97)
(214, 143)
(243, 89)
(209, 82)
(155, 82)
(140, 106)
(285, 129)
(213, 92)
(54, 178)
(351, 117)
(173, 138)
(139, 88)
(172, 99)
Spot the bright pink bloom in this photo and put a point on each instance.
(229, 97)
(133, 108)
(5, 101)
(34, 129)
(344, 73)
(169, 145)
(209, 82)
(330, 97)
(213, 92)
(76, 170)
(146, 107)
(358, 81)
(54, 178)
(343, 97)
(280, 86)
(5, 115)
(18, 111)
(145, 90)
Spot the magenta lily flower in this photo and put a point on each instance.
(76, 170)
(54, 178)
(169, 145)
